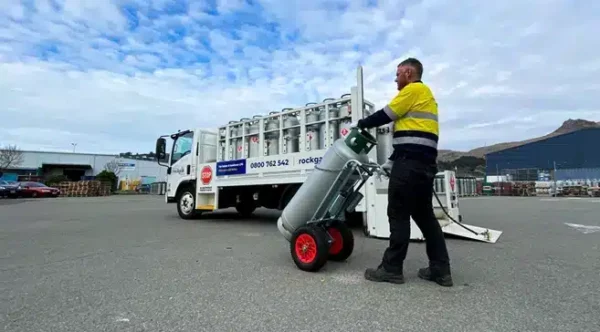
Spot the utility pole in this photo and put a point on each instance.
(498, 180)
(555, 189)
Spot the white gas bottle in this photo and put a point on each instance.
(313, 191)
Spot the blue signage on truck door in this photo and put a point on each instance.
(231, 167)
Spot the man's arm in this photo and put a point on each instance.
(399, 106)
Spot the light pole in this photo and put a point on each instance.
(74, 145)
(555, 186)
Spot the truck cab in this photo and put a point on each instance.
(189, 148)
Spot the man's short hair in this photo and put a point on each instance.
(416, 64)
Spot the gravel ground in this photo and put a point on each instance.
(128, 263)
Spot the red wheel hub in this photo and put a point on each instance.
(338, 241)
(306, 248)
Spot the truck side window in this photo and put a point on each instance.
(181, 147)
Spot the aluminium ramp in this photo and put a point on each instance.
(460, 230)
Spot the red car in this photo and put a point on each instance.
(37, 189)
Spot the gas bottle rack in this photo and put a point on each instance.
(280, 133)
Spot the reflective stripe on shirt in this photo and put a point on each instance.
(414, 140)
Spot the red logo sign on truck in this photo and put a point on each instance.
(452, 183)
(206, 175)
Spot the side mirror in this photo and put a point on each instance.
(161, 149)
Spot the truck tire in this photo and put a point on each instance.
(186, 205)
(245, 209)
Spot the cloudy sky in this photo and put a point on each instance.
(112, 75)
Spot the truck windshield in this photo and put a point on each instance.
(182, 146)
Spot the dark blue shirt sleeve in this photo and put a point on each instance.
(376, 119)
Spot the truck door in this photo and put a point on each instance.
(180, 168)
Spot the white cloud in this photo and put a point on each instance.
(114, 75)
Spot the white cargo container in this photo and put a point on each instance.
(261, 162)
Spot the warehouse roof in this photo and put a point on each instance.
(72, 153)
(542, 139)
(62, 165)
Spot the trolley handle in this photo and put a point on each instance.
(374, 167)
(368, 168)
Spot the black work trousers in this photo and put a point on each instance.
(410, 193)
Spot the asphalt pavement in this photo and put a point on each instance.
(128, 263)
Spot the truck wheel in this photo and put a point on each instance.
(186, 206)
(343, 242)
(245, 209)
(309, 248)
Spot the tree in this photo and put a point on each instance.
(10, 157)
(113, 167)
(108, 177)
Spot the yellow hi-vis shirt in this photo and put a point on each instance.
(414, 111)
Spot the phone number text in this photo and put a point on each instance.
(270, 163)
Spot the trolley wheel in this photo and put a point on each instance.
(309, 247)
(343, 242)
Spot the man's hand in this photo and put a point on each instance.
(387, 166)
(385, 170)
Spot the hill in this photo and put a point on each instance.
(473, 162)
(567, 127)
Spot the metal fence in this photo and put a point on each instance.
(465, 186)
(581, 174)
(558, 174)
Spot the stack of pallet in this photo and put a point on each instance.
(88, 188)
(544, 188)
(524, 189)
(574, 190)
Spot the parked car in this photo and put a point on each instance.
(38, 189)
(10, 189)
(142, 188)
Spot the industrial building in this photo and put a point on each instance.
(570, 156)
(39, 165)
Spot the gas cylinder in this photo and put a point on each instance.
(239, 143)
(438, 186)
(344, 128)
(313, 191)
(312, 130)
(253, 141)
(345, 109)
(291, 137)
(222, 146)
(234, 132)
(272, 135)
(332, 126)
(384, 143)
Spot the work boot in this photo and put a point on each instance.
(442, 278)
(382, 275)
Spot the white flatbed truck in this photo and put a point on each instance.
(262, 161)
